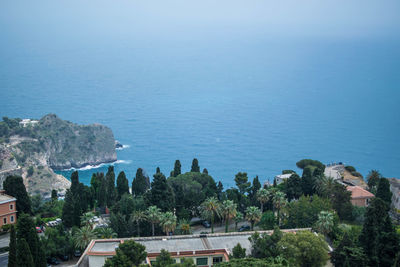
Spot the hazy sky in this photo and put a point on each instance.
(167, 19)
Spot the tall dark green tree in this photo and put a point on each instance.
(177, 168)
(24, 255)
(75, 183)
(242, 182)
(140, 183)
(12, 254)
(383, 191)
(161, 194)
(205, 171)
(54, 195)
(308, 180)
(195, 166)
(111, 192)
(373, 180)
(220, 189)
(68, 210)
(348, 253)
(26, 231)
(378, 237)
(341, 201)
(102, 193)
(14, 186)
(253, 191)
(122, 185)
(293, 188)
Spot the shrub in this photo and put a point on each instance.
(267, 221)
(350, 168)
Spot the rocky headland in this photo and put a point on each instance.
(35, 148)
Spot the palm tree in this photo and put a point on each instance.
(238, 219)
(184, 226)
(83, 236)
(279, 201)
(210, 208)
(263, 197)
(324, 185)
(105, 233)
(86, 219)
(325, 222)
(153, 215)
(253, 215)
(228, 211)
(138, 216)
(168, 222)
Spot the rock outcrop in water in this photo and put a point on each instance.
(34, 149)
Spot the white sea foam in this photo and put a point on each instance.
(90, 167)
(123, 147)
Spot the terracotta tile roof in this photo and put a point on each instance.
(358, 192)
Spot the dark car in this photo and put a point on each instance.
(53, 261)
(206, 224)
(244, 228)
(77, 253)
(64, 257)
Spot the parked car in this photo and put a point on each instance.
(77, 253)
(244, 228)
(39, 230)
(53, 261)
(206, 224)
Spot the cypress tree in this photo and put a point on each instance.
(75, 183)
(122, 185)
(140, 183)
(195, 166)
(12, 254)
(383, 191)
(177, 168)
(14, 186)
(205, 171)
(158, 170)
(68, 209)
(54, 196)
(110, 189)
(161, 194)
(24, 255)
(307, 181)
(101, 195)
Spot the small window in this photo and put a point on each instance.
(12, 218)
(217, 260)
(4, 220)
(11, 206)
(202, 261)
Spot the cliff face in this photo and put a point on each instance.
(34, 150)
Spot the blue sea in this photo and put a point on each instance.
(237, 96)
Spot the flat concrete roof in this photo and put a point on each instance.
(105, 246)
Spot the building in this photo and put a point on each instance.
(8, 209)
(282, 177)
(395, 188)
(359, 196)
(205, 250)
(26, 122)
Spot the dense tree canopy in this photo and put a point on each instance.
(14, 186)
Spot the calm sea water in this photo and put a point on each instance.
(246, 102)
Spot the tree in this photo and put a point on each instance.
(26, 230)
(279, 200)
(325, 222)
(348, 253)
(122, 185)
(325, 186)
(383, 191)
(267, 221)
(105, 233)
(308, 180)
(161, 194)
(184, 227)
(140, 183)
(83, 236)
(253, 215)
(68, 214)
(242, 182)
(14, 186)
(302, 164)
(238, 252)
(205, 171)
(119, 224)
(239, 217)
(24, 255)
(111, 193)
(195, 166)
(293, 187)
(102, 194)
(304, 249)
(128, 254)
(86, 219)
(54, 195)
(265, 245)
(153, 215)
(262, 197)
(378, 237)
(252, 262)
(138, 216)
(253, 191)
(209, 208)
(373, 178)
(228, 211)
(341, 201)
(177, 168)
(168, 222)
(164, 259)
(12, 254)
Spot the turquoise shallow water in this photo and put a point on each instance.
(238, 102)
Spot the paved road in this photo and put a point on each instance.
(4, 259)
(4, 241)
